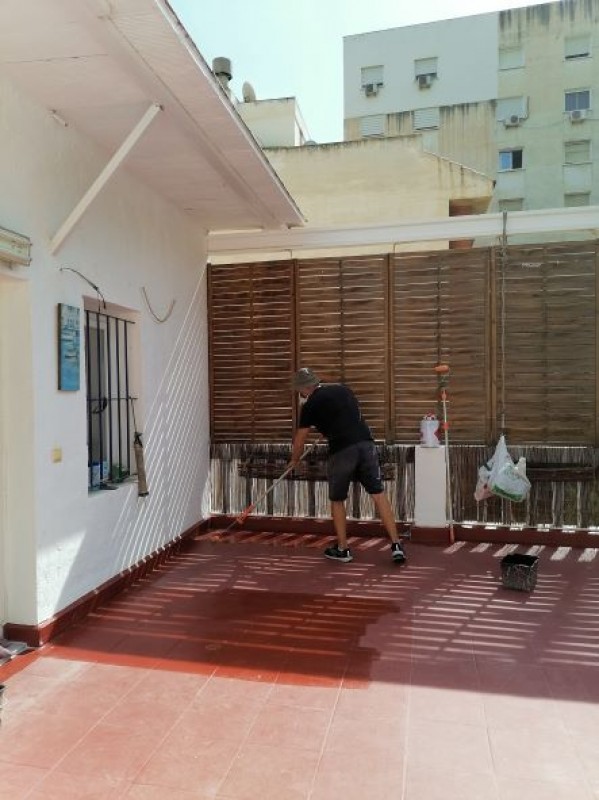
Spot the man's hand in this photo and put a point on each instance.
(299, 443)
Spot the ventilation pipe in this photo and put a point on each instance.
(222, 71)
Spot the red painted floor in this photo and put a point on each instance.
(258, 670)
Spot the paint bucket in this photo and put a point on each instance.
(519, 572)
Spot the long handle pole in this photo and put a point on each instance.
(448, 499)
(247, 511)
(442, 371)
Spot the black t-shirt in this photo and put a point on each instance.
(333, 409)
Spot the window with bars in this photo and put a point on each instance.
(110, 412)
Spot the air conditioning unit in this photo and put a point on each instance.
(370, 89)
(15, 249)
(425, 81)
(578, 114)
(512, 121)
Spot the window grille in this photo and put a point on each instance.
(109, 400)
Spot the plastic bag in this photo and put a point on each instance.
(489, 471)
(500, 476)
(482, 490)
(511, 481)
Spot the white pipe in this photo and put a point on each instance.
(103, 178)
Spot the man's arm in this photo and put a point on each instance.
(299, 442)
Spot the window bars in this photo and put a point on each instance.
(109, 401)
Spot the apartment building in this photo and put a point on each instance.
(513, 94)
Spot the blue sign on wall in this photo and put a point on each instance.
(69, 348)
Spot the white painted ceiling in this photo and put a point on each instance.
(99, 64)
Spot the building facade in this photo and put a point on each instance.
(113, 173)
(509, 93)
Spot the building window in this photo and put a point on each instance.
(574, 199)
(578, 101)
(425, 72)
(425, 66)
(110, 411)
(511, 204)
(577, 47)
(510, 159)
(373, 125)
(578, 152)
(425, 118)
(371, 79)
(511, 58)
(512, 110)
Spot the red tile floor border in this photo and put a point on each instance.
(249, 670)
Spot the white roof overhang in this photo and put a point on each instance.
(263, 245)
(100, 66)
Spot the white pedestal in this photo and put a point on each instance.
(430, 506)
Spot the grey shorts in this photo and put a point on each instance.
(358, 462)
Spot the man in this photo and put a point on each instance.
(334, 411)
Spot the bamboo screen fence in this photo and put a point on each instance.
(517, 325)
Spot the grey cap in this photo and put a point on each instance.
(305, 377)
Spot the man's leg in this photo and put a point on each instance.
(383, 506)
(341, 467)
(339, 521)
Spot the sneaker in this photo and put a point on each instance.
(337, 554)
(397, 553)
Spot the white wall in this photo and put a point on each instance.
(467, 53)
(274, 123)
(129, 238)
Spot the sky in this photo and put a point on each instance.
(296, 49)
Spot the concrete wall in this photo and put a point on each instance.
(458, 44)
(466, 134)
(60, 541)
(374, 181)
(274, 123)
(541, 32)
(473, 81)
